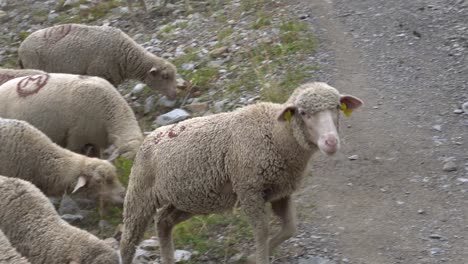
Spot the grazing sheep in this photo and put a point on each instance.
(28, 154)
(8, 254)
(256, 154)
(101, 51)
(34, 228)
(74, 111)
(8, 74)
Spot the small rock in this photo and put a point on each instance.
(353, 157)
(70, 2)
(71, 218)
(436, 251)
(151, 244)
(465, 107)
(84, 8)
(197, 107)
(218, 52)
(435, 236)
(450, 166)
(437, 128)
(462, 180)
(164, 101)
(172, 117)
(52, 16)
(215, 63)
(420, 211)
(166, 55)
(181, 83)
(315, 260)
(188, 66)
(138, 88)
(181, 255)
(218, 106)
(68, 206)
(237, 257)
(458, 111)
(304, 16)
(149, 104)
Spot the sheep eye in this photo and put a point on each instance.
(302, 112)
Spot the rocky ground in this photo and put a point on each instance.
(398, 191)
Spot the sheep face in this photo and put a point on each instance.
(100, 179)
(162, 77)
(314, 117)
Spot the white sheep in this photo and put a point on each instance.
(8, 74)
(28, 154)
(74, 111)
(101, 51)
(8, 254)
(254, 155)
(34, 228)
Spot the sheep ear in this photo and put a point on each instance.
(351, 102)
(154, 71)
(81, 182)
(286, 113)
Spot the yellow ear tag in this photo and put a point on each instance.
(345, 109)
(287, 115)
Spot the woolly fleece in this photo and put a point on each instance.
(75, 111)
(28, 154)
(34, 228)
(101, 51)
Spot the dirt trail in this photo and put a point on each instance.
(394, 204)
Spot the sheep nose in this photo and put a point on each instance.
(171, 94)
(331, 142)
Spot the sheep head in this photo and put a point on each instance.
(99, 178)
(162, 77)
(313, 111)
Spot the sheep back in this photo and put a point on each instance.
(8, 74)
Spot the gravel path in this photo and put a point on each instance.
(404, 199)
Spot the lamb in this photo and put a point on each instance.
(8, 254)
(34, 228)
(28, 154)
(8, 74)
(101, 51)
(254, 155)
(76, 112)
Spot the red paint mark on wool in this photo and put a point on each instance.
(31, 84)
(173, 132)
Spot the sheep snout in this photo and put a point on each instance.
(329, 144)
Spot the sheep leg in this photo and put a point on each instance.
(136, 217)
(284, 209)
(253, 206)
(167, 218)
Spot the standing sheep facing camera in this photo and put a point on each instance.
(74, 111)
(34, 228)
(8, 254)
(8, 74)
(254, 155)
(28, 154)
(101, 51)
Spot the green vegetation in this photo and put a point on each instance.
(199, 232)
(225, 33)
(262, 20)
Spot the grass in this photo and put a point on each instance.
(202, 233)
(262, 20)
(225, 33)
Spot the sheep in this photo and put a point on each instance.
(101, 51)
(74, 111)
(254, 155)
(8, 254)
(34, 228)
(8, 74)
(28, 154)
